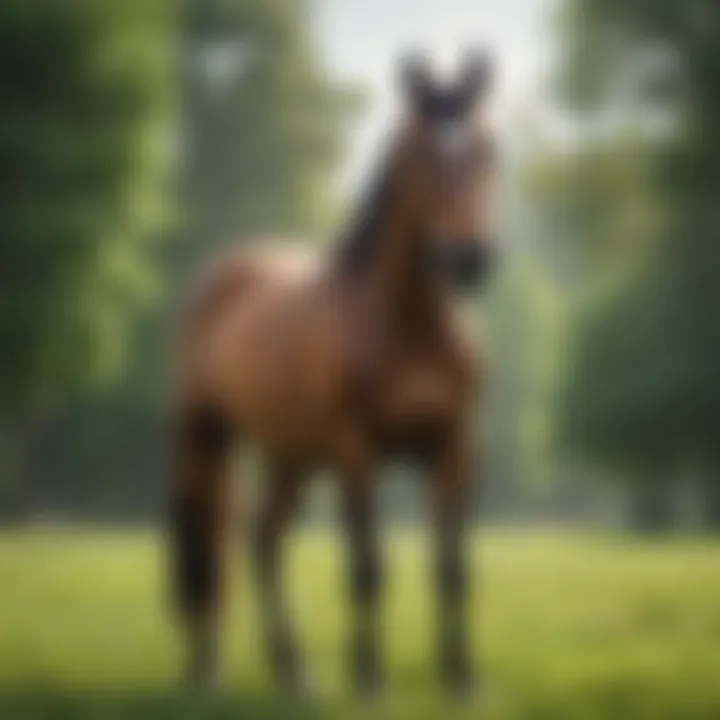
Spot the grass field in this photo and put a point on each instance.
(566, 625)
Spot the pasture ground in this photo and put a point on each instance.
(566, 624)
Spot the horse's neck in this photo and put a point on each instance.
(382, 253)
(403, 279)
(398, 286)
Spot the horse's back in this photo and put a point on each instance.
(237, 270)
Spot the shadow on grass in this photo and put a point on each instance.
(53, 705)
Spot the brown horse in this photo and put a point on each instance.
(343, 362)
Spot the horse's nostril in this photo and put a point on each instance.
(468, 264)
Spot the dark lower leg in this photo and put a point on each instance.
(197, 580)
(277, 510)
(196, 559)
(452, 605)
(365, 573)
(197, 524)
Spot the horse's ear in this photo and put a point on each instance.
(476, 75)
(415, 77)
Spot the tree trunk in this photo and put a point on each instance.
(711, 502)
(22, 500)
(652, 506)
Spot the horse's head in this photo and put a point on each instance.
(446, 165)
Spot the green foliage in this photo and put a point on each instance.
(85, 97)
(259, 151)
(523, 334)
(596, 205)
(99, 100)
(642, 378)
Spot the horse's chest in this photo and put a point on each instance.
(411, 386)
(417, 398)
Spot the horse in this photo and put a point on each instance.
(342, 362)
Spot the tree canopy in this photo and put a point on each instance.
(642, 380)
(85, 99)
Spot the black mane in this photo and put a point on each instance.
(359, 241)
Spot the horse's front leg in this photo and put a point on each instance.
(357, 484)
(451, 485)
(278, 507)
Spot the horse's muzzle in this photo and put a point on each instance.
(467, 265)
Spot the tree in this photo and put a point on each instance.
(85, 97)
(523, 323)
(260, 129)
(644, 383)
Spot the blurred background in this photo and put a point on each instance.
(136, 137)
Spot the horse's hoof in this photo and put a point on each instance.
(299, 685)
(369, 687)
(202, 680)
(202, 686)
(372, 693)
(463, 687)
(457, 678)
(288, 668)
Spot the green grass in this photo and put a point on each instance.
(566, 625)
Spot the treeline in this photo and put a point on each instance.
(137, 137)
(628, 211)
(134, 138)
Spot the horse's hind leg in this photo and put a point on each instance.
(199, 490)
(278, 507)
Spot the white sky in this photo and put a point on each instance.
(361, 39)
